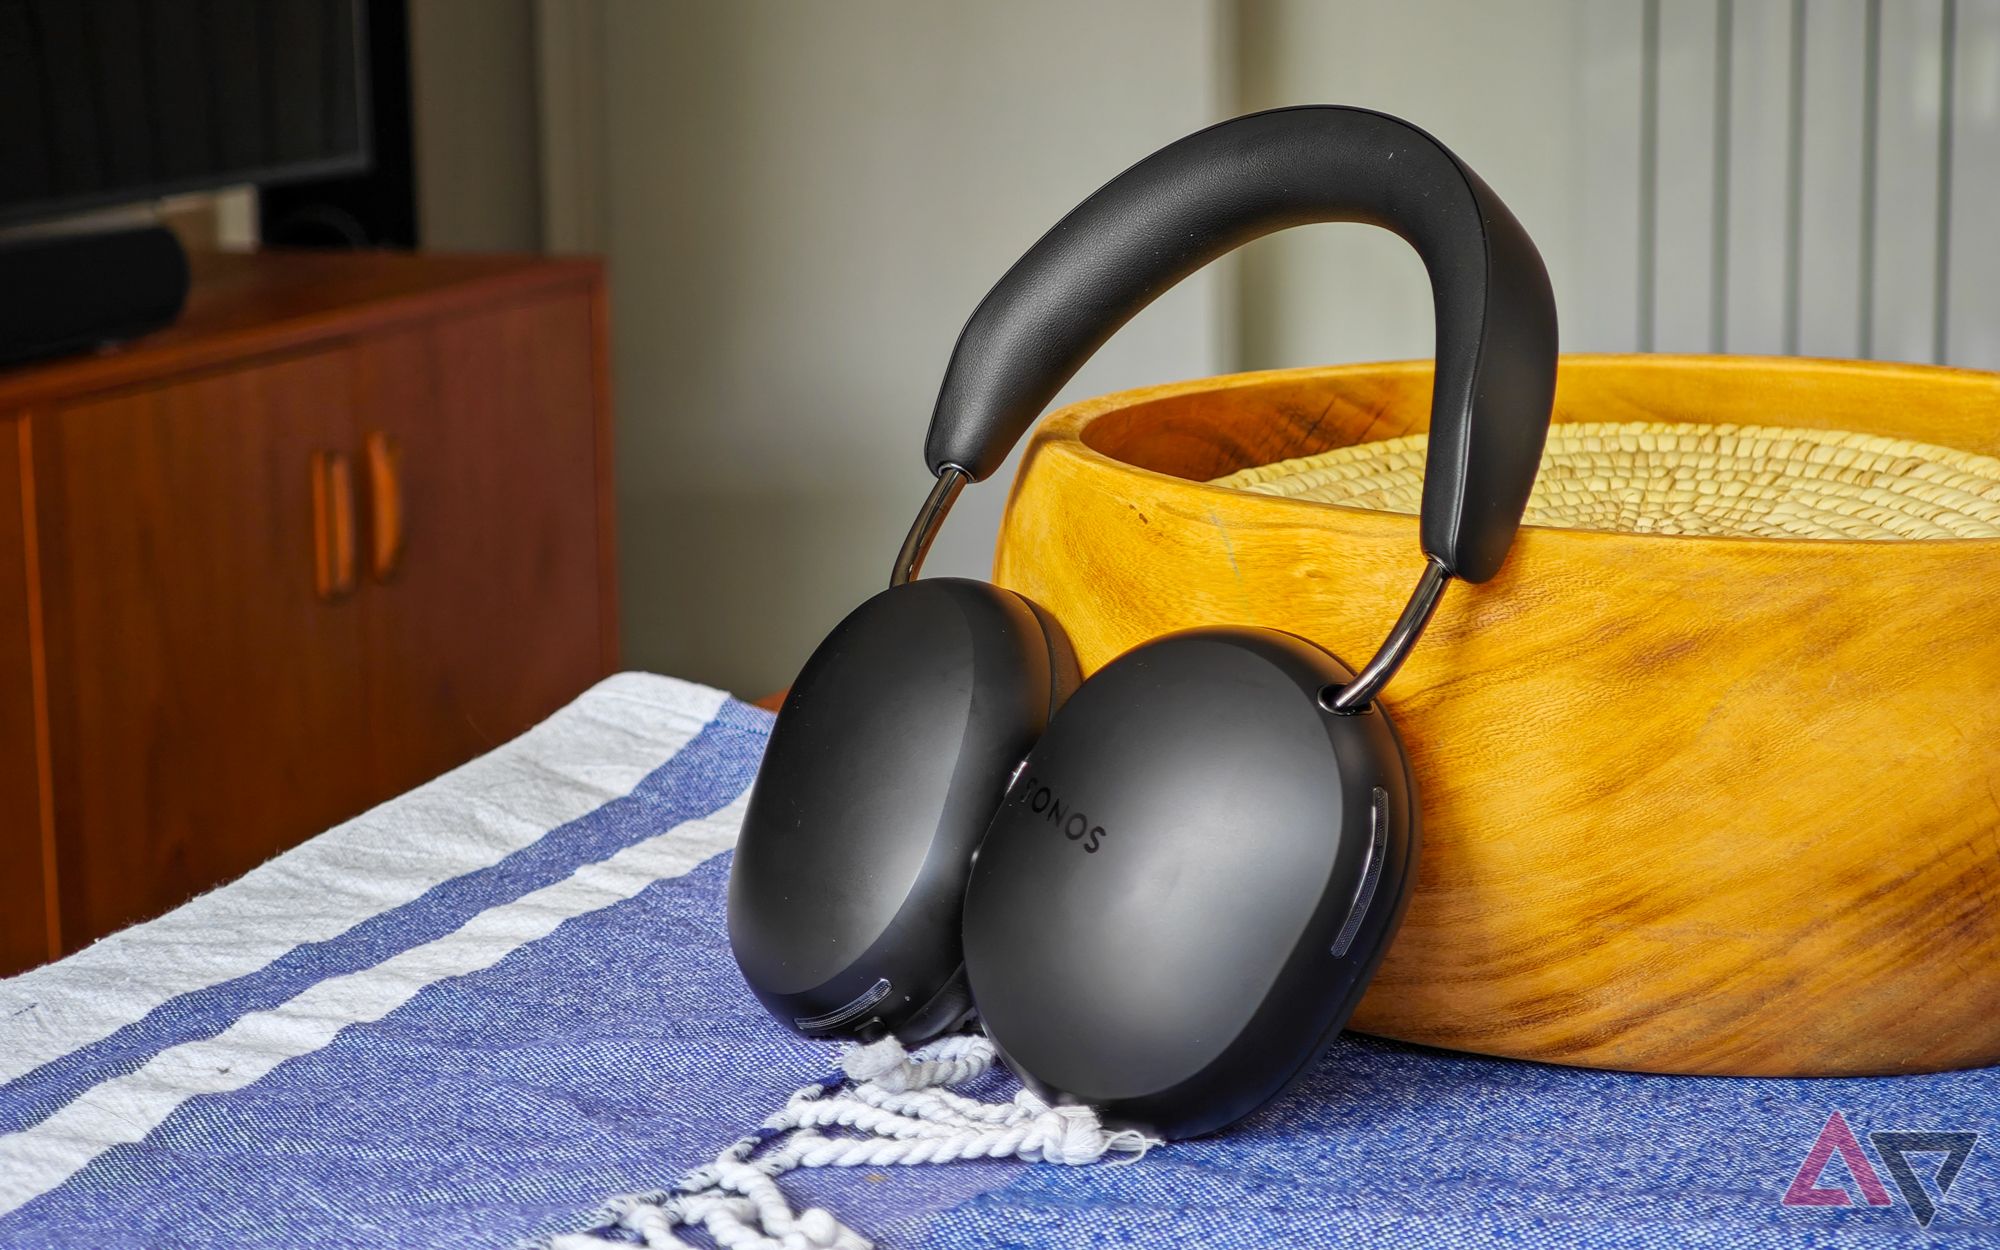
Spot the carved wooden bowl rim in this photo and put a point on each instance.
(1079, 431)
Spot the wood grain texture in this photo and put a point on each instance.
(1700, 805)
(203, 708)
(28, 921)
(607, 482)
(491, 620)
(248, 304)
(202, 694)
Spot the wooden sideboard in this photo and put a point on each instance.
(344, 526)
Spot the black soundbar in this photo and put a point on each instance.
(77, 292)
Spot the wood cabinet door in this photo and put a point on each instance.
(206, 707)
(484, 598)
(28, 932)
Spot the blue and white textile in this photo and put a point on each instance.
(471, 1015)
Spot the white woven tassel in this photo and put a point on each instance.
(885, 1107)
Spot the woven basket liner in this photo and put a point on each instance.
(1715, 480)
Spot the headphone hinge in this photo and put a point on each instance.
(1358, 695)
(937, 504)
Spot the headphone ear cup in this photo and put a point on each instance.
(888, 760)
(1065, 675)
(1191, 881)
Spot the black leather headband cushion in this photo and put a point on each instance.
(1217, 189)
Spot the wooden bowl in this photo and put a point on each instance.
(1699, 805)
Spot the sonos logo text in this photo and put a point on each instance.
(1075, 826)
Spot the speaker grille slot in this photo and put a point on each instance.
(1371, 871)
(854, 1010)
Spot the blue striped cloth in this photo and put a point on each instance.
(471, 1015)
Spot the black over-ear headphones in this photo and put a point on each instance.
(1163, 892)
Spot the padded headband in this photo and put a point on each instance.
(1215, 190)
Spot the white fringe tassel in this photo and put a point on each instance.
(898, 1109)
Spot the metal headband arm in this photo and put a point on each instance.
(1354, 697)
(1357, 695)
(917, 543)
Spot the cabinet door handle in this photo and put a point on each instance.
(385, 495)
(333, 524)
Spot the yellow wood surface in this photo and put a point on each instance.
(1705, 805)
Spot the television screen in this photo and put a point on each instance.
(110, 101)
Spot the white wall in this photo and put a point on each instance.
(1854, 224)
(1506, 86)
(802, 203)
(473, 96)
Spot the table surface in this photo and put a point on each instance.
(470, 1015)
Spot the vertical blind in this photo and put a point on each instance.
(1816, 177)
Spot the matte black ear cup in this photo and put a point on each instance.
(885, 766)
(1191, 881)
